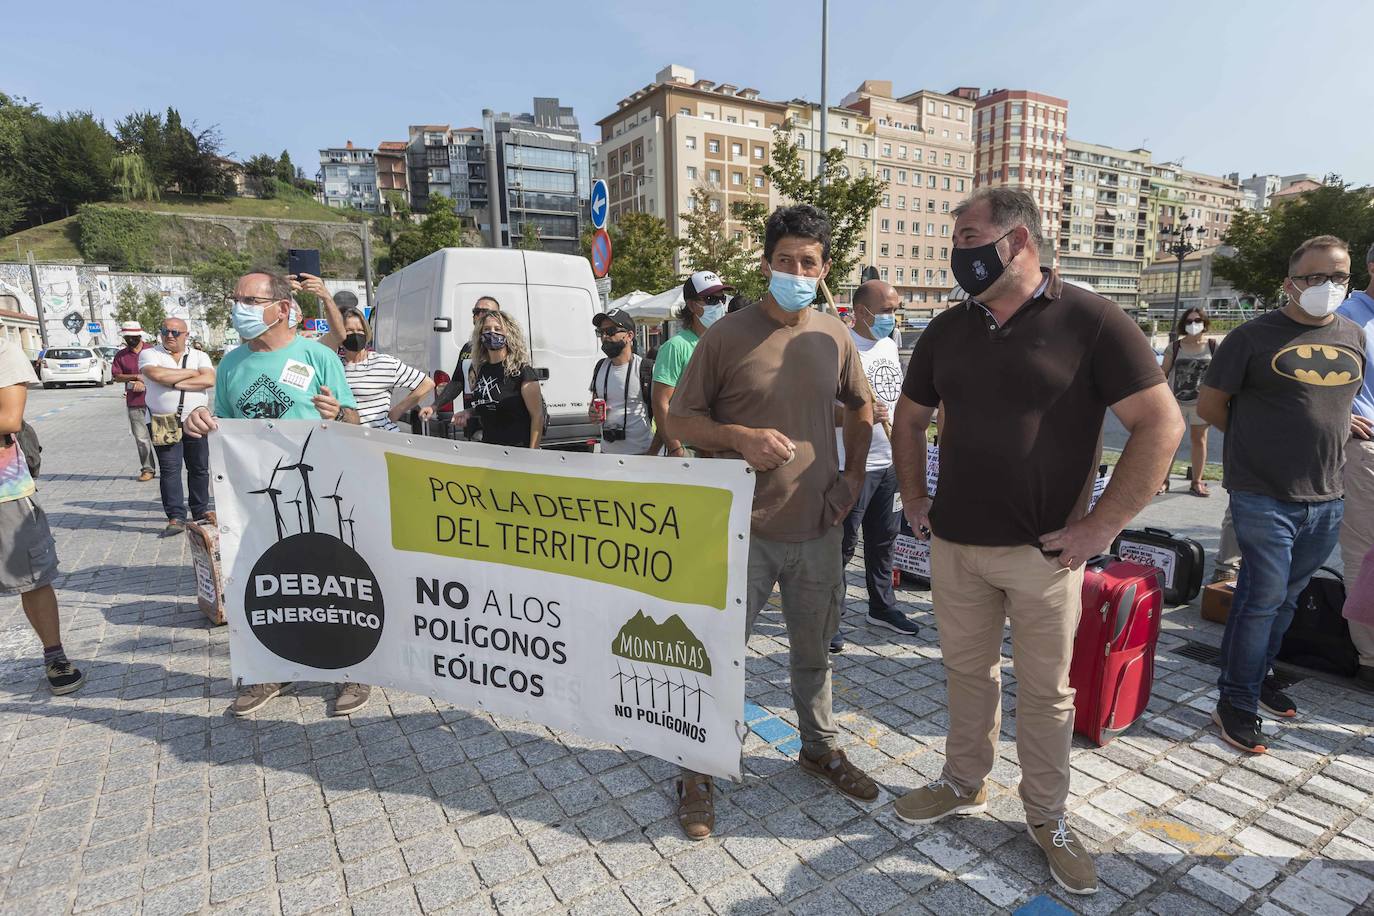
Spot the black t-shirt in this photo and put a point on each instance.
(496, 398)
(1292, 386)
(1022, 409)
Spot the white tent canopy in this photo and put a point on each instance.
(656, 308)
(624, 302)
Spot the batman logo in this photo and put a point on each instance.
(1319, 364)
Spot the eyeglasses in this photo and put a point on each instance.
(168, 332)
(609, 332)
(714, 300)
(1319, 279)
(253, 301)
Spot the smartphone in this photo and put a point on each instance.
(303, 261)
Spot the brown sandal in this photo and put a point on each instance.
(696, 806)
(835, 768)
(1199, 488)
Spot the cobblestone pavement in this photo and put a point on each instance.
(140, 793)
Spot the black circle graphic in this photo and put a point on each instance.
(313, 599)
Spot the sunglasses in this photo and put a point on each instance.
(168, 332)
(610, 332)
(714, 300)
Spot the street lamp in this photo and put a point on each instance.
(1181, 243)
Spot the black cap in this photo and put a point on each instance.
(619, 317)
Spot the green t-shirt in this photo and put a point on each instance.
(278, 384)
(673, 357)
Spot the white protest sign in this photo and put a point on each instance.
(1161, 558)
(593, 594)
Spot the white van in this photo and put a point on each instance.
(423, 316)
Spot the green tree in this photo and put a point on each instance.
(147, 309)
(213, 282)
(133, 178)
(261, 172)
(285, 170)
(441, 228)
(706, 246)
(642, 253)
(17, 118)
(530, 240)
(141, 132)
(193, 161)
(847, 200)
(1264, 241)
(68, 163)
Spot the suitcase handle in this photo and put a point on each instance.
(1335, 575)
(1159, 531)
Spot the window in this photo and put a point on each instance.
(1015, 109)
(882, 273)
(844, 122)
(691, 173)
(713, 176)
(944, 230)
(945, 111)
(930, 181)
(691, 142)
(901, 225)
(944, 276)
(863, 247)
(887, 200)
(713, 146)
(758, 181)
(731, 119)
(959, 185)
(883, 250)
(901, 202)
(844, 144)
(736, 149)
(900, 272)
(930, 205)
(901, 176)
(930, 108)
(753, 122)
(959, 115)
(710, 116)
(886, 174)
(915, 203)
(944, 206)
(946, 159)
(737, 179)
(916, 154)
(901, 251)
(684, 110)
(945, 183)
(944, 253)
(930, 275)
(758, 152)
(930, 228)
(885, 225)
(930, 252)
(887, 149)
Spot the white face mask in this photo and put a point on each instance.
(1193, 328)
(1323, 300)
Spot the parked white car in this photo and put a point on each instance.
(62, 366)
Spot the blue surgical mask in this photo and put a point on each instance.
(247, 321)
(711, 314)
(883, 325)
(790, 292)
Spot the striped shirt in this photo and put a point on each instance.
(372, 381)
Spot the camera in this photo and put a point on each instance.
(613, 435)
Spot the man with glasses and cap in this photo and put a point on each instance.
(703, 304)
(178, 380)
(621, 385)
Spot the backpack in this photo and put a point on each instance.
(646, 378)
(27, 438)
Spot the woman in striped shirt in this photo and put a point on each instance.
(372, 376)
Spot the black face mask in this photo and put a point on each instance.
(612, 347)
(354, 342)
(975, 269)
(132, 342)
(493, 340)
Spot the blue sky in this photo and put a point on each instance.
(1247, 85)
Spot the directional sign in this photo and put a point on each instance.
(600, 203)
(93, 327)
(601, 253)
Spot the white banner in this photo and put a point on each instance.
(594, 594)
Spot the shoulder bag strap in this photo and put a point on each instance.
(181, 401)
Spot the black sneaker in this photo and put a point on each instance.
(895, 621)
(836, 642)
(1274, 701)
(1239, 728)
(63, 676)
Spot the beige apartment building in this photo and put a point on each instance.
(1020, 138)
(1102, 232)
(1180, 197)
(923, 148)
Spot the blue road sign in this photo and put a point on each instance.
(601, 253)
(317, 324)
(600, 203)
(93, 327)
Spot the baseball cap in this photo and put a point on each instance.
(130, 328)
(619, 317)
(703, 283)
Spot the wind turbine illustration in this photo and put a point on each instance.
(297, 503)
(272, 494)
(352, 537)
(338, 503)
(304, 470)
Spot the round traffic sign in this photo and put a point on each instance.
(600, 203)
(601, 253)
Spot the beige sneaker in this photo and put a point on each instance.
(352, 697)
(253, 697)
(938, 800)
(1071, 864)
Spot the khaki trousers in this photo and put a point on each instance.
(1357, 530)
(976, 589)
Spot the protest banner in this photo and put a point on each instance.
(594, 594)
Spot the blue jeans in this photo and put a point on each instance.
(880, 525)
(1281, 545)
(196, 454)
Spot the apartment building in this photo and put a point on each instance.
(680, 133)
(1104, 218)
(347, 178)
(1020, 138)
(923, 147)
(1180, 197)
(390, 161)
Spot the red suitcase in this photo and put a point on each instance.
(1114, 651)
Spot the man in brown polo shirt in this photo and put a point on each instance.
(1023, 380)
(762, 385)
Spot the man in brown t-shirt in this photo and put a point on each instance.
(761, 385)
(1023, 379)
